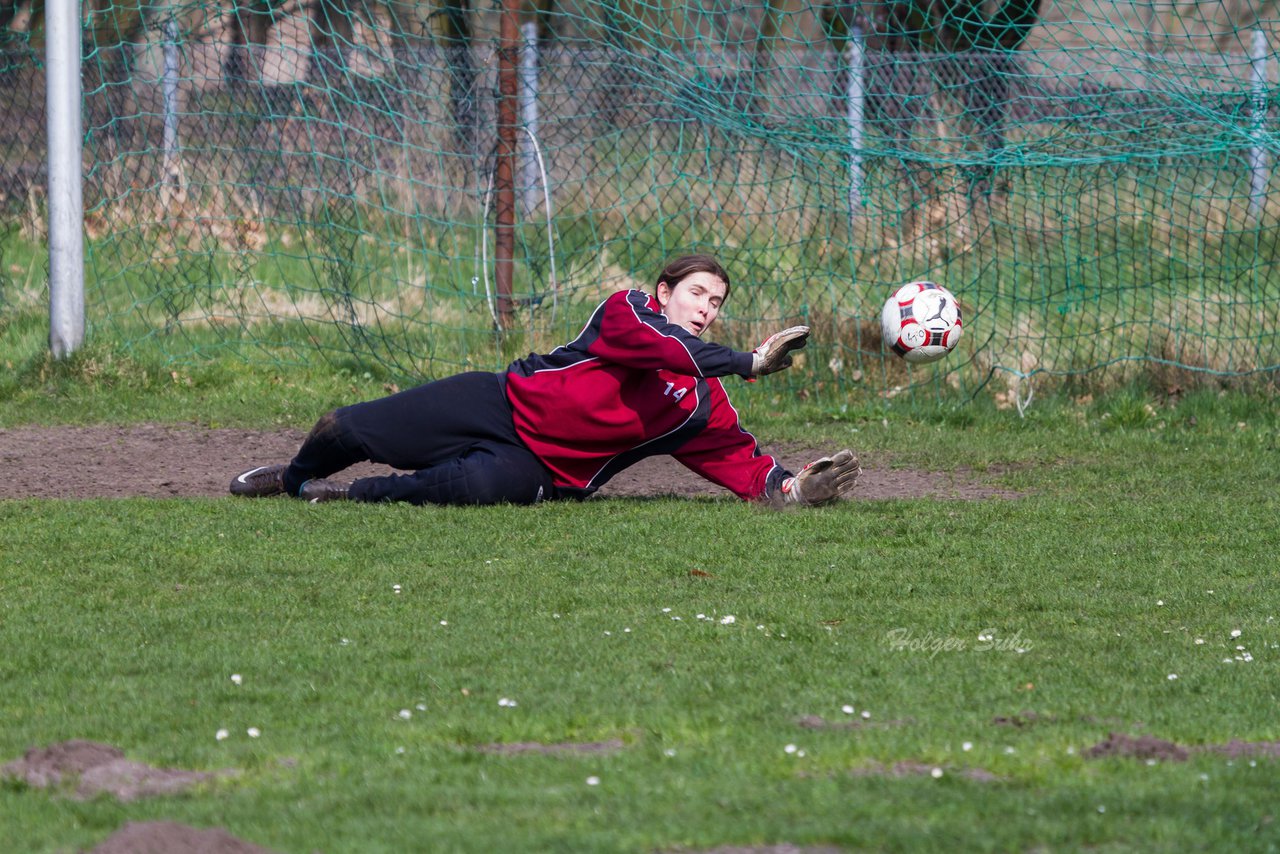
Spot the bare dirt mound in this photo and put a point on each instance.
(167, 837)
(96, 769)
(1152, 748)
(166, 461)
(1137, 747)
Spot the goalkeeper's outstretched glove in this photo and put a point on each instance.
(775, 353)
(823, 480)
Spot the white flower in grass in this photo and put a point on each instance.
(1235, 633)
(508, 703)
(593, 780)
(728, 620)
(670, 751)
(399, 751)
(395, 588)
(253, 732)
(1172, 676)
(1199, 641)
(444, 622)
(222, 735)
(967, 746)
(666, 610)
(847, 709)
(935, 773)
(236, 679)
(866, 716)
(405, 714)
(702, 616)
(790, 748)
(422, 707)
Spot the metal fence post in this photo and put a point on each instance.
(504, 169)
(66, 200)
(529, 183)
(1258, 160)
(169, 90)
(855, 106)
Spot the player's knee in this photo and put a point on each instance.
(490, 481)
(326, 427)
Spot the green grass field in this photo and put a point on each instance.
(995, 641)
(658, 674)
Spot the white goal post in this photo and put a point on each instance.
(66, 201)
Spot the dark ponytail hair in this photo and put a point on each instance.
(686, 265)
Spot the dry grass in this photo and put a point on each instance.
(1218, 333)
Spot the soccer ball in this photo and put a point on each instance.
(921, 322)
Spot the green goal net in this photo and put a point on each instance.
(288, 182)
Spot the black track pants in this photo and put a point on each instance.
(454, 435)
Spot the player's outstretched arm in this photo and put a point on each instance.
(775, 353)
(823, 480)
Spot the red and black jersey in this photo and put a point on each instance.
(634, 385)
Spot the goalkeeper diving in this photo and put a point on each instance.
(638, 381)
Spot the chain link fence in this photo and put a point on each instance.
(1094, 208)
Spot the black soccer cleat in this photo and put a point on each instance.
(260, 482)
(318, 489)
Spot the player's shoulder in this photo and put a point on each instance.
(631, 296)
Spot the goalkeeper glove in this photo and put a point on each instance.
(823, 480)
(775, 353)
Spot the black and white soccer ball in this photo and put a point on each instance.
(921, 322)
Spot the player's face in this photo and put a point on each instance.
(694, 302)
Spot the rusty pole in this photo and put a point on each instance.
(504, 239)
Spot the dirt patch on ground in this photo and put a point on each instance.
(95, 769)
(1149, 747)
(167, 837)
(1137, 747)
(1022, 719)
(515, 748)
(165, 461)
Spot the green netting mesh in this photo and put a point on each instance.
(290, 181)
